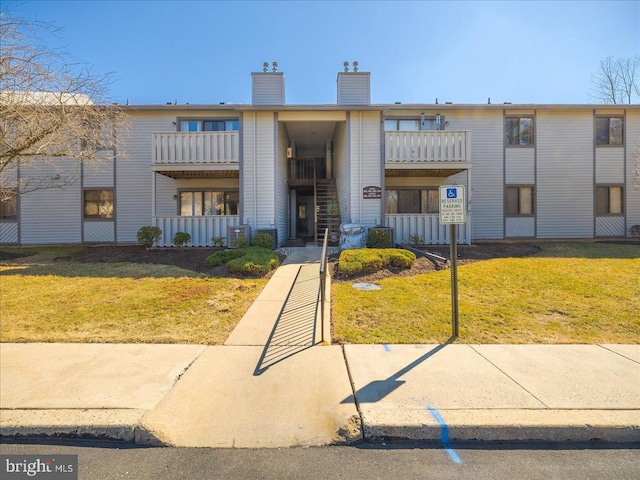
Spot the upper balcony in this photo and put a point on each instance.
(448, 151)
(195, 151)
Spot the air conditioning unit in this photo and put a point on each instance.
(239, 231)
(270, 231)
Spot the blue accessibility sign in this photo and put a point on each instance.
(452, 193)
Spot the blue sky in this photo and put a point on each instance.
(463, 52)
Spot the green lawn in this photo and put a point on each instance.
(571, 292)
(42, 300)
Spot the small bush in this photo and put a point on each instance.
(240, 242)
(416, 239)
(378, 239)
(635, 231)
(147, 236)
(220, 258)
(354, 262)
(217, 241)
(180, 239)
(246, 261)
(263, 240)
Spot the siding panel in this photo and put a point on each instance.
(633, 168)
(521, 227)
(8, 232)
(99, 232)
(609, 165)
(520, 166)
(366, 166)
(610, 226)
(565, 174)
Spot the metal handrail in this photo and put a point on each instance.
(323, 280)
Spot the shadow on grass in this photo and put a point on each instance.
(614, 249)
(97, 270)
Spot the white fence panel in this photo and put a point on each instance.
(200, 228)
(427, 227)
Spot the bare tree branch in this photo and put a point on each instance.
(617, 81)
(55, 113)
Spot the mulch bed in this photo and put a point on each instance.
(194, 258)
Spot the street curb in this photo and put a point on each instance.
(619, 426)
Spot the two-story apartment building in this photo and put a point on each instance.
(531, 171)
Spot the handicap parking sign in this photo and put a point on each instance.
(453, 208)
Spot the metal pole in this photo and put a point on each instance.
(454, 282)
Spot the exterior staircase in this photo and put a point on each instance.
(327, 208)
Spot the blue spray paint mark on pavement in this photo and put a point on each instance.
(445, 435)
(386, 348)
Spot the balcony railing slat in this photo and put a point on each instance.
(195, 147)
(427, 146)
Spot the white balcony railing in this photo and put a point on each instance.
(196, 147)
(201, 229)
(427, 227)
(428, 146)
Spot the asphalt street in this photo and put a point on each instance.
(102, 461)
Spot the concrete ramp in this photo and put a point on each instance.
(221, 402)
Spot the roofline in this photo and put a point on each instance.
(382, 107)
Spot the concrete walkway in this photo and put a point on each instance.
(273, 385)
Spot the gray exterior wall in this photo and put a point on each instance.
(564, 189)
(632, 168)
(258, 188)
(282, 188)
(487, 180)
(365, 158)
(267, 88)
(343, 178)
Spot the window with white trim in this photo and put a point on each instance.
(208, 202)
(519, 200)
(609, 131)
(609, 200)
(411, 200)
(98, 204)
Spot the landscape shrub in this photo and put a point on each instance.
(416, 239)
(246, 261)
(149, 235)
(217, 241)
(362, 261)
(378, 239)
(240, 242)
(263, 240)
(181, 238)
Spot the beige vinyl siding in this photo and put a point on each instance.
(366, 166)
(632, 190)
(610, 165)
(487, 179)
(520, 166)
(52, 215)
(343, 177)
(354, 88)
(565, 189)
(258, 202)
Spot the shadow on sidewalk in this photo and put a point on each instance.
(378, 389)
(295, 328)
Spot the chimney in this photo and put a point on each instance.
(354, 88)
(267, 88)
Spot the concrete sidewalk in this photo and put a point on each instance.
(273, 385)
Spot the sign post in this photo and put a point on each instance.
(453, 212)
